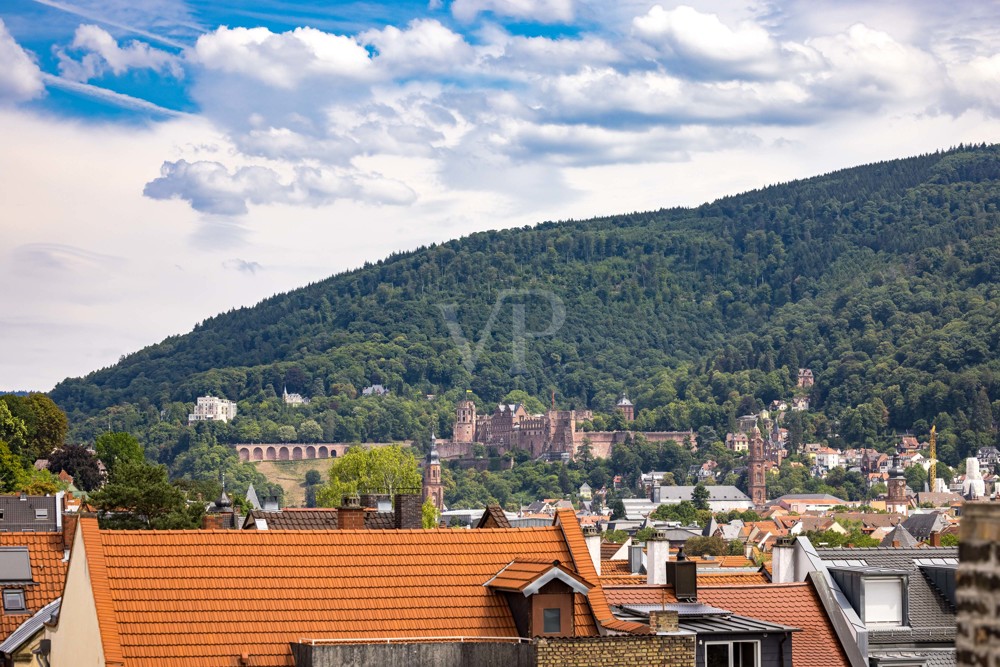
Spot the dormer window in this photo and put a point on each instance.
(540, 595)
(13, 600)
(878, 595)
(41, 514)
(884, 602)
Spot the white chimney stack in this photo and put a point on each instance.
(657, 554)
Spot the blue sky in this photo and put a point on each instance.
(166, 160)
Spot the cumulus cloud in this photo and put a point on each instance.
(210, 187)
(20, 77)
(543, 11)
(868, 67)
(701, 45)
(103, 54)
(282, 60)
(978, 82)
(425, 46)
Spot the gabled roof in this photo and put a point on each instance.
(901, 535)
(922, 525)
(48, 572)
(527, 576)
(205, 597)
(493, 517)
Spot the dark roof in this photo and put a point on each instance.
(931, 616)
(17, 513)
(729, 624)
(312, 519)
(899, 534)
(493, 517)
(922, 525)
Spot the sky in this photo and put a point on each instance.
(162, 161)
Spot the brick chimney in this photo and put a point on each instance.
(663, 620)
(69, 529)
(409, 511)
(351, 515)
(935, 540)
(211, 522)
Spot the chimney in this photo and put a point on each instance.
(69, 529)
(351, 515)
(211, 522)
(783, 562)
(895, 544)
(408, 511)
(935, 539)
(657, 555)
(369, 500)
(592, 536)
(635, 557)
(663, 620)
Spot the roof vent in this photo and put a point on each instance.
(352, 501)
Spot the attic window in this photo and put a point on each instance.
(13, 600)
(552, 621)
(884, 603)
(41, 514)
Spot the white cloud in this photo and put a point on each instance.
(282, 60)
(425, 46)
(868, 66)
(242, 265)
(210, 187)
(702, 46)
(104, 55)
(544, 11)
(20, 78)
(978, 82)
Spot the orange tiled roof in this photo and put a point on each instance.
(711, 579)
(45, 552)
(204, 597)
(611, 568)
(608, 549)
(796, 605)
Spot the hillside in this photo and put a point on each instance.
(883, 279)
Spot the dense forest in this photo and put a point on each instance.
(883, 279)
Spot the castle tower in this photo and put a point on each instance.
(626, 408)
(465, 422)
(433, 488)
(756, 475)
(896, 500)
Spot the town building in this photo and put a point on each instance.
(294, 400)
(626, 408)
(488, 596)
(721, 497)
(898, 603)
(211, 408)
(806, 379)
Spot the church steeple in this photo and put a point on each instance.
(756, 475)
(433, 488)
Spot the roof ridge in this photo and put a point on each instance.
(600, 609)
(98, 570)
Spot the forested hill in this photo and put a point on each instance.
(883, 279)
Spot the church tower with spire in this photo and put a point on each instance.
(433, 488)
(756, 474)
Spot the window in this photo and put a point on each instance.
(41, 514)
(883, 601)
(732, 654)
(552, 621)
(13, 599)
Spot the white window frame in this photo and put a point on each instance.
(755, 642)
(904, 611)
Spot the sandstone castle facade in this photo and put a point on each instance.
(552, 434)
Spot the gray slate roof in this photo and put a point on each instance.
(715, 492)
(18, 514)
(899, 534)
(931, 616)
(922, 525)
(313, 519)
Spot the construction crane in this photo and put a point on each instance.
(932, 471)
